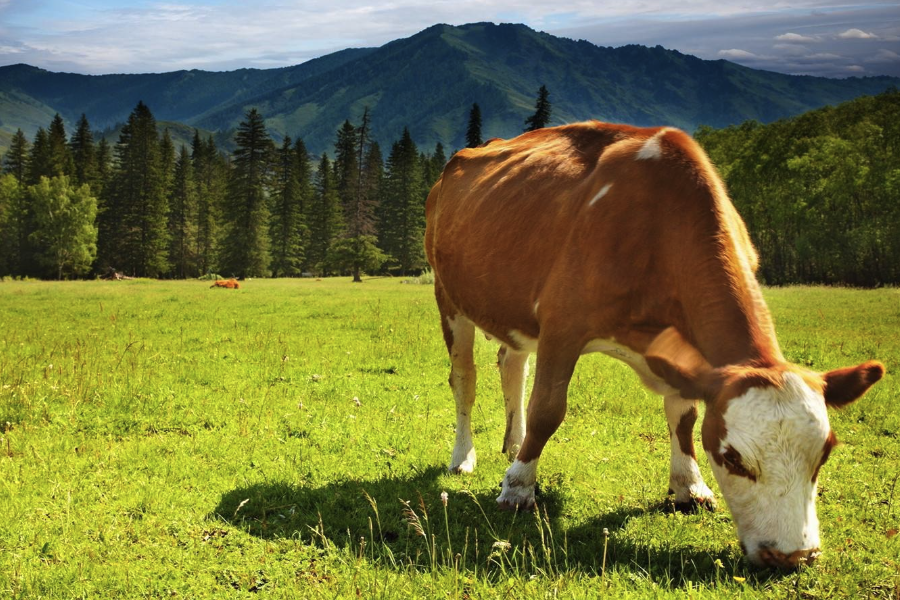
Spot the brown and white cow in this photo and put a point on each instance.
(606, 238)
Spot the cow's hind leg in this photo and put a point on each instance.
(459, 335)
(685, 480)
(513, 374)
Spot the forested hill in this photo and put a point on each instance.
(428, 82)
(820, 193)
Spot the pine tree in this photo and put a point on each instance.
(246, 249)
(402, 214)
(66, 233)
(210, 175)
(433, 165)
(305, 193)
(60, 157)
(84, 154)
(325, 217)
(541, 116)
(103, 161)
(473, 131)
(357, 251)
(289, 231)
(183, 218)
(346, 165)
(16, 159)
(133, 229)
(40, 160)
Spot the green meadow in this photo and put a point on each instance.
(160, 439)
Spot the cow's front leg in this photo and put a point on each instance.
(685, 480)
(546, 410)
(513, 374)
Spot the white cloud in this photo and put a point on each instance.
(857, 34)
(884, 56)
(737, 54)
(795, 37)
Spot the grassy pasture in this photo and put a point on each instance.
(161, 439)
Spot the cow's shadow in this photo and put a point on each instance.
(403, 518)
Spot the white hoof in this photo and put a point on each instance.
(517, 489)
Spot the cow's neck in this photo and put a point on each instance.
(730, 324)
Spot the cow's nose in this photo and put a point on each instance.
(770, 557)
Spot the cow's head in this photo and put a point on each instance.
(766, 434)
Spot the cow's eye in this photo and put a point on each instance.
(735, 464)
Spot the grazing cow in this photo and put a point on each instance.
(231, 284)
(606, 238)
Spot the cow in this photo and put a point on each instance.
(596, 237)
(231, 284)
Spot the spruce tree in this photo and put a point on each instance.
(289, 232)
(103, 162)
(402, 214)
(61, 162)
(15, 161)
(183, 218)
(541, 116)
(133, 228)
(305, 193)
(246, 214)
(210, 175)
(40, 160)
(473, 131)
(84, 154)
(357, 250)
(325, 217)
(346, 164)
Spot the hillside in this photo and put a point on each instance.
(428, 82)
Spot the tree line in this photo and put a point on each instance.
(820, 192)
(72, 206)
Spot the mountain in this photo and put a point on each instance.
(428, 83)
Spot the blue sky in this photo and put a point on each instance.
(811, 37)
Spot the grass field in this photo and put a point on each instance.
(290, 440)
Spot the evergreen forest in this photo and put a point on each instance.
(819, 193)
(73, 207)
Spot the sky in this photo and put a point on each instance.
(808, 37)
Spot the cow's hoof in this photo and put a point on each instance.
(465, 467)
(692, 506)
(516, 498)
(512, 506)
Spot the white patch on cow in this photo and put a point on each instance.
(462, 381)
(536, 304)
(633, 360)
(523, 342)
(603, 191)
(517, 489)
(652, 149)
(780, 435)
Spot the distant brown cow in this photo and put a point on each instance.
(595, 237)
(231, 284)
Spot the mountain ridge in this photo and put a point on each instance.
(428, 82)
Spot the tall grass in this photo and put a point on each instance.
(289, 439)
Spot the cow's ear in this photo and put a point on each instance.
(843, 386)
(673, 358)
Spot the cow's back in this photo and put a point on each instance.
(614, 223)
